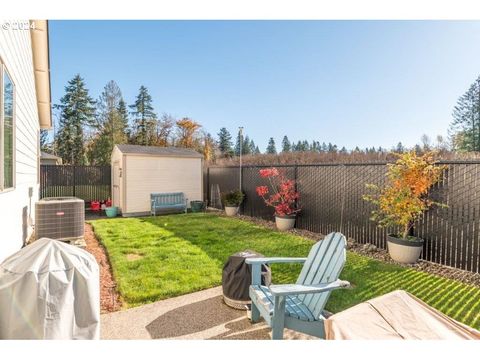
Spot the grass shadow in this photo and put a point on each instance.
(185, 252)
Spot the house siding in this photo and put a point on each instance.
(17, 206)
(148, 174)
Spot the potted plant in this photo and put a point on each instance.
(231, 201)
(283, 198)
(197, 205)
(403, 201)
(111, 211)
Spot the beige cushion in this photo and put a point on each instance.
(396, 315)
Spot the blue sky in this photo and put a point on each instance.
(365, 83)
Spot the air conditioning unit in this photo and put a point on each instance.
(60, 218)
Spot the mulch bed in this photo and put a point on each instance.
(372, 251)
(109, 297)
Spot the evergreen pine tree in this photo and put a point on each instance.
(77, 111)
(252, 146)
(299, 146)
(331, 148)
(399, 148)
(246, 149)
(144, 118)
(305, 145)
(286, 146)
(225, 142)
(271, 149)
(123, 113)
(257, 150)
(465, 127)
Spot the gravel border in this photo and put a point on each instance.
(373, 252)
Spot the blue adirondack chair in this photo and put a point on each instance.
(300, 306)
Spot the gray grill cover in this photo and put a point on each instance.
(49, 290)
(237, 275)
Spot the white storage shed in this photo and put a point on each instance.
(138, 171)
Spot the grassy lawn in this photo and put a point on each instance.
(159, 257)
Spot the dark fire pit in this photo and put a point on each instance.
(237, 277)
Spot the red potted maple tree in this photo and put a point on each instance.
(283, 197)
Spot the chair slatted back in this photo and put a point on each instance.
(324, 264)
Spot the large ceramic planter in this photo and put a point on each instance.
(231, 210)
(285, 222)
(404, 251)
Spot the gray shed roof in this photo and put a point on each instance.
(159, 151)
(44, 155)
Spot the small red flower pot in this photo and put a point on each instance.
(95, 205)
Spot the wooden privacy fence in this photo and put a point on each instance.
(85, 182)
(331, 200)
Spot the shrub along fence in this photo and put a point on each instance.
(85, 182)
(331, 200)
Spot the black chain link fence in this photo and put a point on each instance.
(85, 182)
(331, 200)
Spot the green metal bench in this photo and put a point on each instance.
(162, 203)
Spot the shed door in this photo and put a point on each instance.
(116, 184)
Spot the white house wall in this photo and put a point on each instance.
(17, 206)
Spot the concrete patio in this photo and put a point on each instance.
(201, 315)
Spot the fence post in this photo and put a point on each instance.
(74, 179)
(242, 207)
(295, 177)
(208, 187)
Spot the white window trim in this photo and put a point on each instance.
(3, 70)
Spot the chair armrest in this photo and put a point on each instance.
(274, 260)
(295, 289)
(258, 262)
